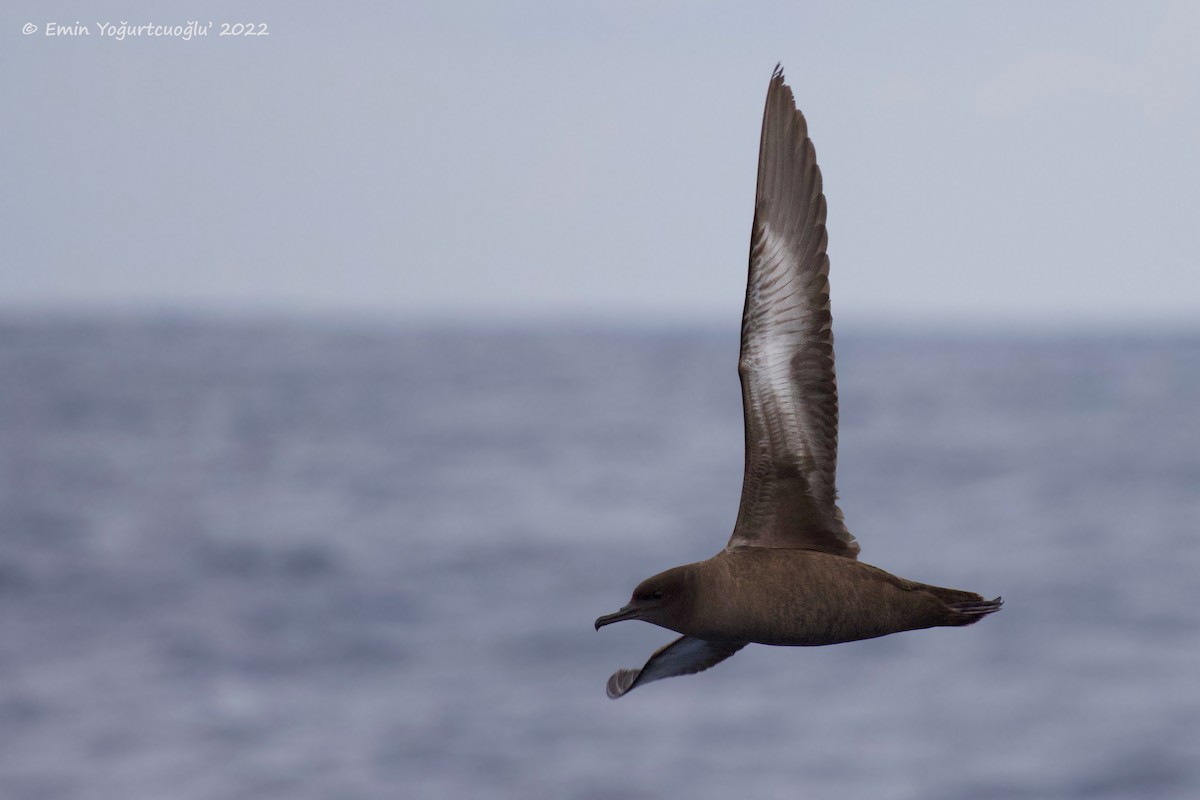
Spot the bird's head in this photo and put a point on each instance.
(663, 600)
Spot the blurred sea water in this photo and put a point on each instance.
(300, 560)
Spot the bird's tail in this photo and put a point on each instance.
(971, 611)
(963, 608)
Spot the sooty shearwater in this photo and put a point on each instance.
(789, 574)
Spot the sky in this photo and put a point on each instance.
(1024, 163)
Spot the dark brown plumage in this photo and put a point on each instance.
(789, 574)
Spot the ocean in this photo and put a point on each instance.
(307, 560)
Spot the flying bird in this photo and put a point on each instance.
(790, 573)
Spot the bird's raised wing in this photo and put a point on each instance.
(789, 391)
(684, 656)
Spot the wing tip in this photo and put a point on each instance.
(779, 84)
(620, 682)
(783, 122)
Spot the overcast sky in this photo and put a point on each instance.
(1023, 162)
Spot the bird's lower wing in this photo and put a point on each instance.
(684, 656)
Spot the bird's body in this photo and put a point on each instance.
(789, 574)
(805, 597)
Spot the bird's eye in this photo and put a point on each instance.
(656, 595)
